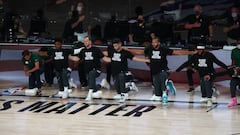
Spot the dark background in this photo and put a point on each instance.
(100, 11)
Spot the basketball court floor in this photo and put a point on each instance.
(184, 114)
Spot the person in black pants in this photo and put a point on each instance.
(61, 66)
(119, 67)
(199, 26)
(91, 56)
(48, 66)
(203, 62)
(81, 72)
(32, 68)
(158, 66)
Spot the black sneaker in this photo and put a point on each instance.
(190, 90)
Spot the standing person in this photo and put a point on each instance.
(38, 24)
(200, 29)
(158, 66)
(31, 66)
(138, 31)
(91, 57)
(75, 23)
(203, 62)
(119, 67)
(235, 80)
(13, 27)
(232, 29)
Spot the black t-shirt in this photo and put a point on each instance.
(203, 29)
(119, 60)
(91, 58)
(163, 30)
(68, 32)
(204, 63)
(234, 33)
(158, 59)
(60, 58)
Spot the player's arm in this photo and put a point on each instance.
(183, 52)
(220, 63)
(74, 58)
(185, 64)
(25, 69)
(80, 19)
(105, 53)
(106, 59)
(141, 59)
(134, 51)
(35, 68)
(42, 53)
(77, 51)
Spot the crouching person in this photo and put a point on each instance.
(119, 67)
(31, 66)
(203, 62)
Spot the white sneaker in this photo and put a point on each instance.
(203, 99)
(65, 94)
(134, 87)
(71, 83)
(117, 97)
(31, 92)
(209, 103)
(156, 98)
(70, 90)
(105, 84)
(97, 94)
(89, 96)
(124, 97)
(198, 88)
(59, 94)
(214, 99)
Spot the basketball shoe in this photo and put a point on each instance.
(233, 102)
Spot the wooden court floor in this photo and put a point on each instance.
(183, 115)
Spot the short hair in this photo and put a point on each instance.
(25, 52)
(88, 37)
(58, 40)
(116, 40)
(156, 38)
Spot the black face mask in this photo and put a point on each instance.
(140, 21)
(197, 12)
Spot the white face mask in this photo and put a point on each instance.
(234, 14)
(238, 46)
(79, 8)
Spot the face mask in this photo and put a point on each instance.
(140, 21)
(238, 46)
(198, 12)
(79, 8)
(234, 14)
